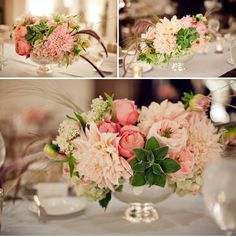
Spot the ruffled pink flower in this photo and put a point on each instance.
(186, 160)
(108, 127)
(201, 28)
(187, 22)
(169, 133)
(60, 41)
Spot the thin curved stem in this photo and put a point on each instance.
(86, 59)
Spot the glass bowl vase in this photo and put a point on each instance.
(141, 202)
(178, 64)
(44, 65)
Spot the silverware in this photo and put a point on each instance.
(42, 214)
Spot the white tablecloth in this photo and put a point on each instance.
(178, 216)
(18, 66)
(201, 65)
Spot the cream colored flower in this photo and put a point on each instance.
(157, 112)
(98, 159)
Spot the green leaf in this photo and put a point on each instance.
(141, 153)
(152, 144)
(133, 162)
(169, 165)
(138, 179)
(157, 169)
(119, 188)
(149, 177)
(81, 120)
(105, 201)
(160, 180)
(161, 153)
(71, 163)
(139, 167)
(69, 117)
(111, 105)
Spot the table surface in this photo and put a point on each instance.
(18, 66)
(178, 216)
(208, 64)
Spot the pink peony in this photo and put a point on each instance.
(200, 103)
(187, 22)
(201, 28)
(23, 48)
(156, 112)
(60, 41)
(186, 160)
(126, 112)
(131, 139)
(108, 127)
(20, 32)
(169, 133)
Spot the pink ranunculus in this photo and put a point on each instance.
(131, 139)
(20, 31)
(108, 127)
(23, 48)
(126, 112)
(201, 28)
(200, 103)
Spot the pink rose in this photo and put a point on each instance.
(131, 139)
(23, 48)
(200, 103)
(126, 112)
(201, 28)
(20, 32)
(108, 127)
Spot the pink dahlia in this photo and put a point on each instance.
(60, 42)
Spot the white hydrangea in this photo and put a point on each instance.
(98, 110)
(68, 130)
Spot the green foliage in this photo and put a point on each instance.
(105, 201)
(78, 118)
(185, 37)
(111, 105)
(71, 163)
(186, 98)
(151, 165)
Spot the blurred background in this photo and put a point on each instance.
(31, 110)
(221, 13)
(98, 15)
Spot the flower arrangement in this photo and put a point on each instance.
(57, 39)
(166, 144)
(173, 38)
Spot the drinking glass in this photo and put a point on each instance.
(220, 193)
(214, 26)
(2, 150)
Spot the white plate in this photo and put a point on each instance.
(230, 61)
(59, 206)
(146, 67)
(107, 66)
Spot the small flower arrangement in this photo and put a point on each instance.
(57, 39)
(166, 144)
(173, 38)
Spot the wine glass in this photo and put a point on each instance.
(2, 151)
(220, 193)
(214, 25)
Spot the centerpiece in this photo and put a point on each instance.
(140, 156)
(171, 40)
(56, 39)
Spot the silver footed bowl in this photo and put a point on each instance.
(141, 201)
